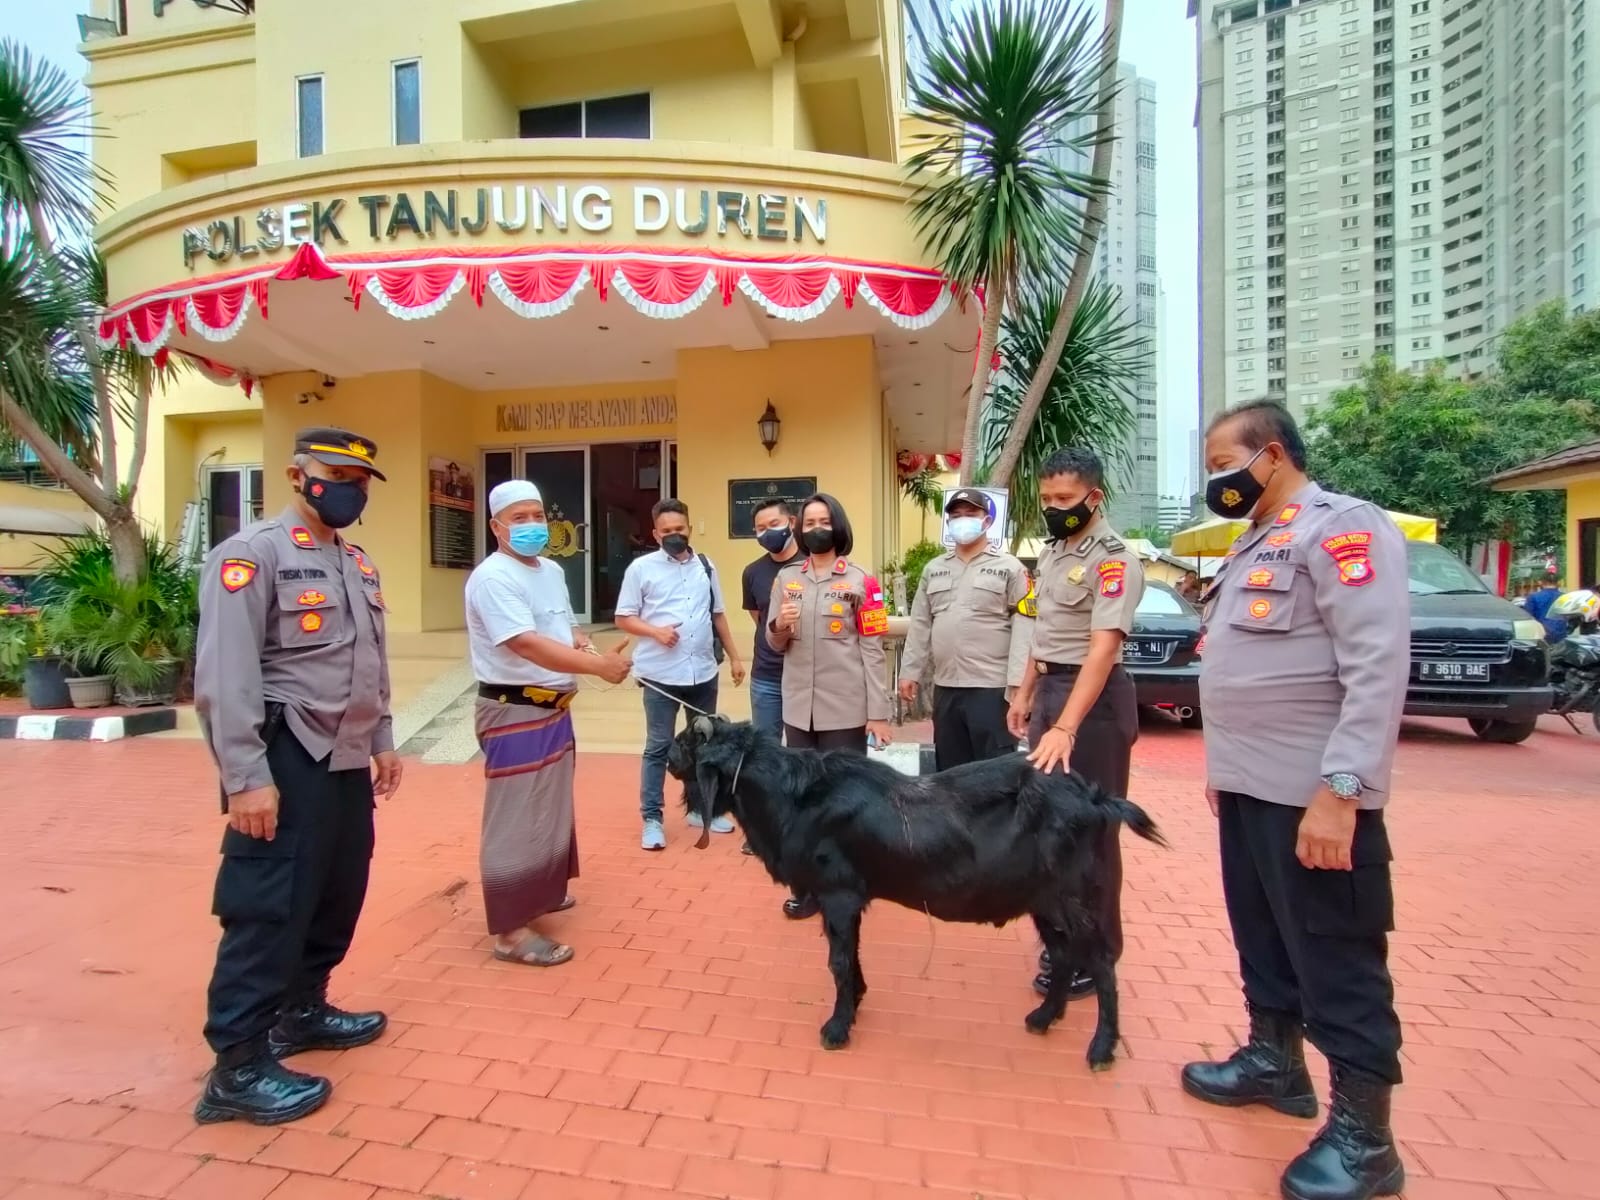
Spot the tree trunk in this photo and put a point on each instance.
(994, 305)
(127, 545)
(1093, 222)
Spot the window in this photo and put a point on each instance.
(1421, 297)
(1244, 54)
(1308, 146)
(1309, 60)
(1577, 255)
(1423, 276)
(233, 501)
(1308, 123)
(1308, 187)
(1310, 377)
(1349, 114)
(308, 115)
(407, 103)
(1353, 243)
(1349, 50)
(1308, 293)
(1308, 272)
(1350, 287)
(1244, 344)
(1244, 262)
(1246, 137)
(1308, 335)
(613, 117)
(1346, 28)
(1350, 352)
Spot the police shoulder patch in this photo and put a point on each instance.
(1112, 573)
(301, 536)
(1289, 513)
(1352, 553)
(237, 573)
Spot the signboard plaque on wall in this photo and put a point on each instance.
(451, 502)
(745, 496)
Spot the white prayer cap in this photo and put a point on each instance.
(512, 491)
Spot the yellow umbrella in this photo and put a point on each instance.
(1213, 537)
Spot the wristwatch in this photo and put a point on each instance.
(1344, 785)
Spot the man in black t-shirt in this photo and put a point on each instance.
(774, 525)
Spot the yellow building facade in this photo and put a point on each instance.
(588, 242)
(1575, 471)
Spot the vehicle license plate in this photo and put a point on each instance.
(1458, 672)
(1144, 650)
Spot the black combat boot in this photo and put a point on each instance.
(1353, 1156)
(801, 908)
(249, 1084)
(1082, 983)
(318, 1025)
(1269, 1069)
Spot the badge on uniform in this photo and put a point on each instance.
(301, 536)
(1353, 554)
(1112, 572)
(1258, 579)
(310, 622)
(1289, 513)
(837, 608)
(237, 573)
(794, 587)
(840, 567)
(366, 567)
(872, 618)
(1260, 608)
(1231, 498)
(1076, 574)
(310, 598)
(835, 626)
(378, 599)
(1028, 606)
(1280, 539)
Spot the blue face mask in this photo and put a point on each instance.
(529, 538)
(966, 530)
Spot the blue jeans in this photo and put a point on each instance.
(766, 705)
(660, 723)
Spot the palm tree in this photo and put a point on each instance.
(61, 395)
(1088, 394)
(925, 491)
(1014, 90)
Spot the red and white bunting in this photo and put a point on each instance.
(535, 283)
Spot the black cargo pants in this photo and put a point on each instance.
(1314, 944)
(288, 907)
(1102, 754)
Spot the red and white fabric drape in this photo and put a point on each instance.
(535, 283)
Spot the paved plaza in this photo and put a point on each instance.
(677, 1054)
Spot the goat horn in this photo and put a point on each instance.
(703, 726)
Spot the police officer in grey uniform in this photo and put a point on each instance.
(292, 691)
(1076, 703)
(1303, 684)
(965, 620)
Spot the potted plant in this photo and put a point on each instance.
(140, 634)
(76, 627)
(44, 676)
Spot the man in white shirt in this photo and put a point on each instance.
(671, 600)
(525, 655)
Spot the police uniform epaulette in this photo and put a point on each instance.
(1339, 502)
(1112, 542)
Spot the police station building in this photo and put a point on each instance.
(623, 248)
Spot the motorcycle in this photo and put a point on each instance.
(1575, 659)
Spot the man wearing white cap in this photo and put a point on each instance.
(525, 655)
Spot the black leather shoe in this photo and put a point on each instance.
(321, 1026)
(1082, 985)
(745, 849)
(251, 1085)
(1269, 1069)
(799, 908)
(1353, 1156)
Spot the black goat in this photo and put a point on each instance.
(984, 843)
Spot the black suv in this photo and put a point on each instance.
(1162, 654)
(1473, 654)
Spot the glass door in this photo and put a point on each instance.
(562, 477)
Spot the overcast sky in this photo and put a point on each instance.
(1157, 39)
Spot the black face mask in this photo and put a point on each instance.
(818, 540)
(773, 541)
(1068, 522)
(675, 544)
(337, 503)
(1234, 494)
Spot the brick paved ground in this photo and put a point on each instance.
(677, 1054)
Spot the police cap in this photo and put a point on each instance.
(970, 496)
(339, 448)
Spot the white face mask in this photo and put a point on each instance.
(966, 530)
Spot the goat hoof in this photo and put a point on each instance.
(1040, 1020)
(835, 1035)
(1101, 1056)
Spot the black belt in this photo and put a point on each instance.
(516, 693)
(1050, 668)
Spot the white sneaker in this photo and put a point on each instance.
(718, 824)
(654, 836)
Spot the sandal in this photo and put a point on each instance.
(535, 950)
(569, 902)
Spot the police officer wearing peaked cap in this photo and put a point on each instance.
(1075, 702)
(964, 621)
(1303, 684)
(292, 691)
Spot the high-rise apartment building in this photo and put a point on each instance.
(1399, 177)
(1126, 259)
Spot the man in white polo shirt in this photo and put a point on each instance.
(671, 600)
